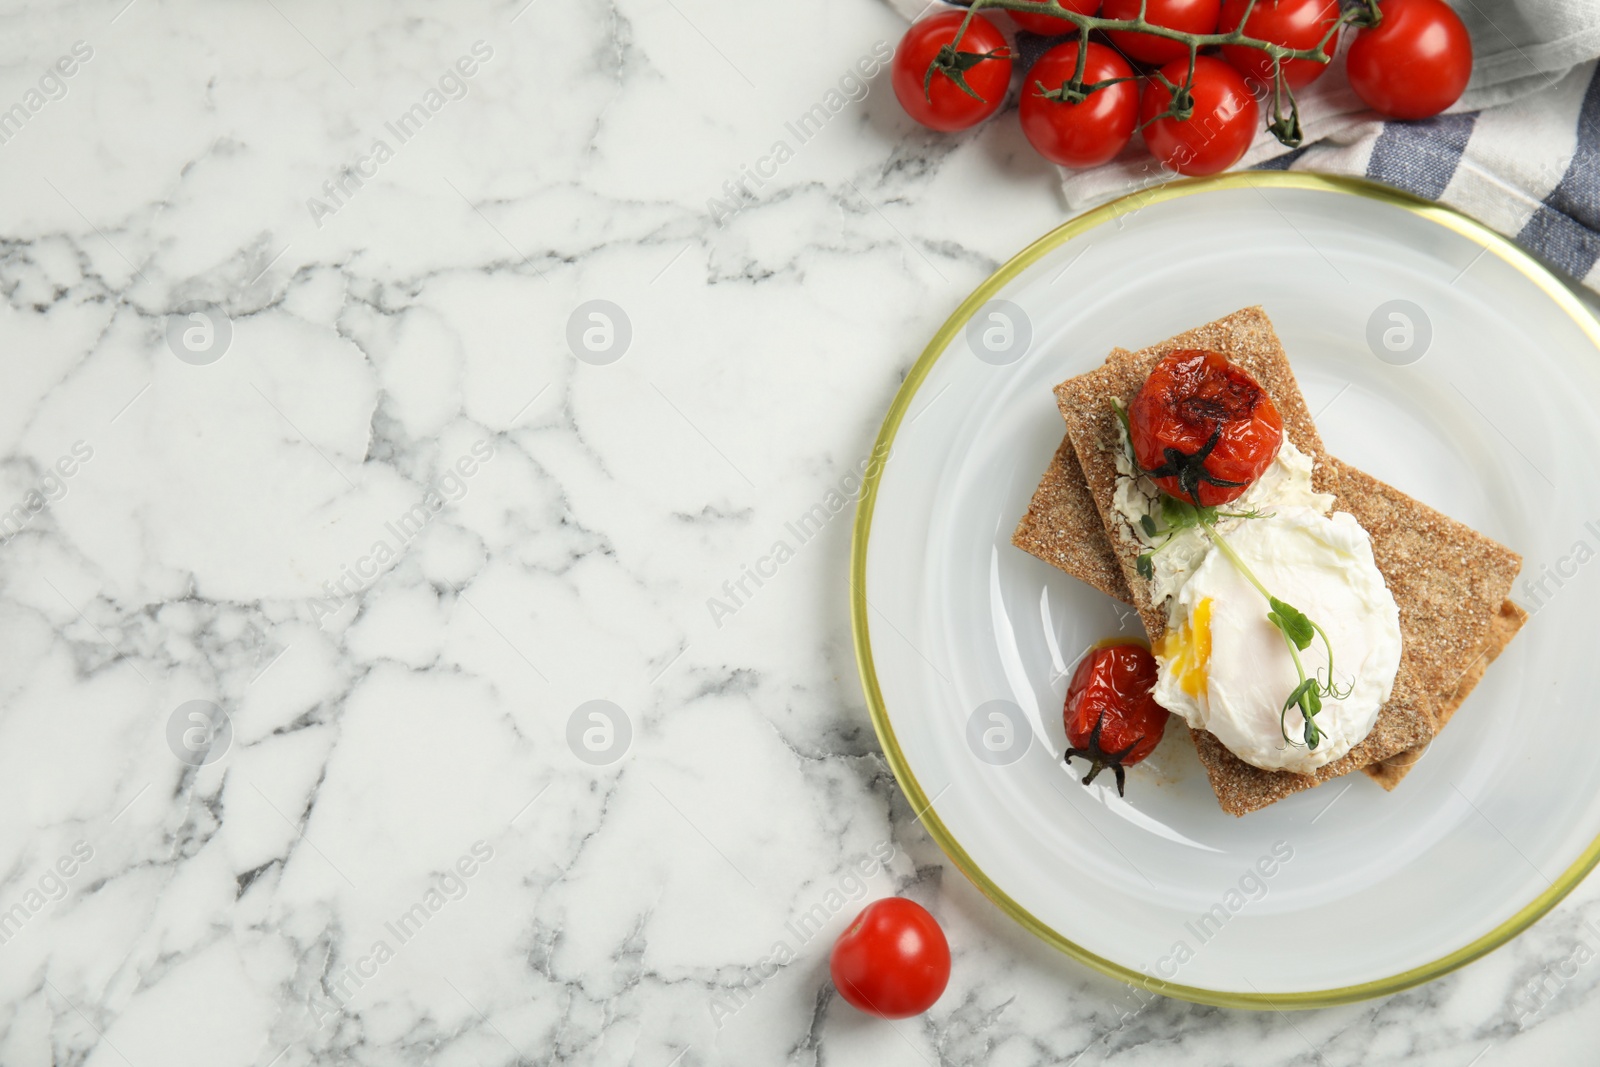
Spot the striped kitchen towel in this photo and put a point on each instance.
(1520, 151)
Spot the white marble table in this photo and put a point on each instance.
(301, 595)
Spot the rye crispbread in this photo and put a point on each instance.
(1502, 628)
(1063, 528)
(1445, 577)
(1448, 580)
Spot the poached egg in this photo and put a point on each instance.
(1228, 670)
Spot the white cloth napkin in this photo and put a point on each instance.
(1520, 151)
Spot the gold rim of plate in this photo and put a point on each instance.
(920, 802)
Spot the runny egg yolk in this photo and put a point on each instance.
(1186, 651)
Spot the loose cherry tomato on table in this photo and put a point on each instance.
(1215, 136)
(1049, 25)
(1112, 718)
(892, 961)
(1087, 133)
(1203, 428)
(1296, 24)
(1190, 16)
(970, 80)
(1415, 63)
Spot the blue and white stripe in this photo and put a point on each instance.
(1521, 154)
(1565, 229)
(1530, 169)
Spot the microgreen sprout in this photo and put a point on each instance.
(1297, 629)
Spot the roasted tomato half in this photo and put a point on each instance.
(1202, 428)
(1112, 718)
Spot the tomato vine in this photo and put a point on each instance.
(1284, 124)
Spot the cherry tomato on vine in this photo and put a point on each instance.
(892, 961)
(1049, 25)
(1415, 63)
(1111, 717)
(1203, 428)
(1084, 134)
(981, 62)
(1215, 136)
(1293, 24)
(1190, 16)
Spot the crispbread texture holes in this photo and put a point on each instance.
(1062, 527)
(1468, 574)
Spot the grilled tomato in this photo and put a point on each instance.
(1112, 718)
(1202, 428)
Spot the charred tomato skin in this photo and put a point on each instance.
(1111, 714)
(1203, 428)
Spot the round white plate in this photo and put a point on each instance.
(1344, 891)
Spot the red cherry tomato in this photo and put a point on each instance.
(1215, 136)
(981, 60)
(892, 961)
(1112, 720)
(1203, 428)
(1190, 16)
(1294, 24)
(1415, 63)
(1049, 25)
(1085, 134)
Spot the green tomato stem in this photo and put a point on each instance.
(1180, 106)
(1327, 688)
(1234, 558)
(1244, 569)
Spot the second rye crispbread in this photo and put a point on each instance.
(1502, 628)
(1062, 527)
(1438, 569)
